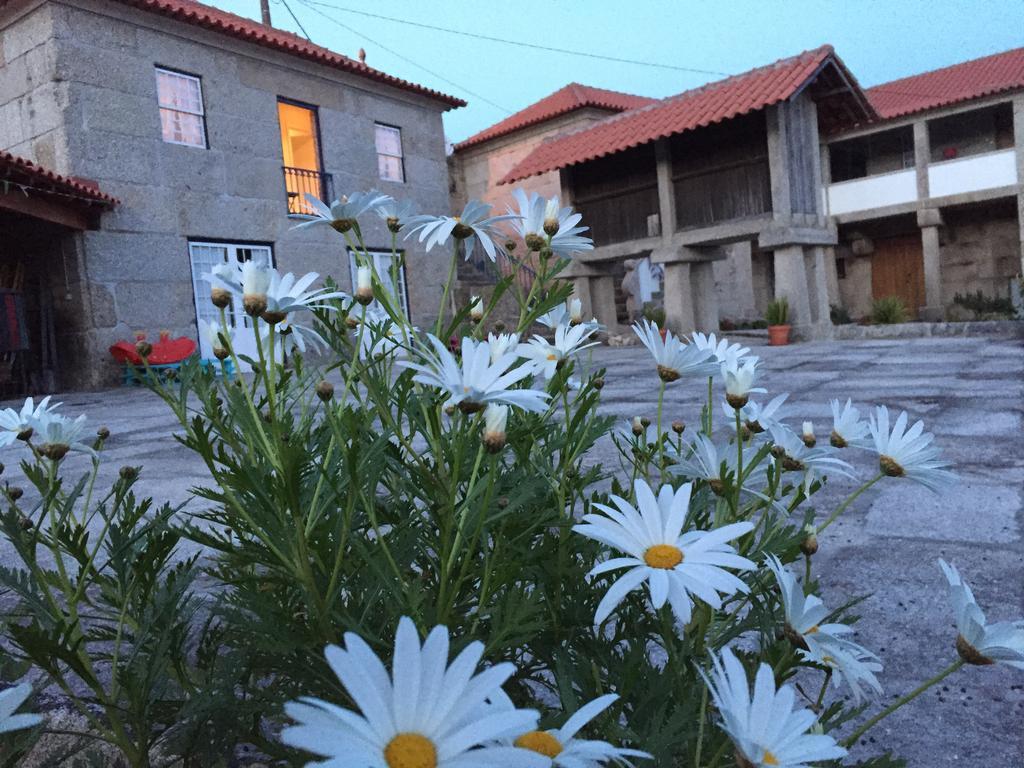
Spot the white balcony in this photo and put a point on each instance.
(872, 192)
(972, 173)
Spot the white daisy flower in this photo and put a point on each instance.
(364, 284)
(906, 452)
(502, 344)
(396, 213)
(57, 435)
(546, 357)
(14, 423)
(978, 641)
(217, 335)
(286, 294)
(677, 566)
(724, 353)
(561, 748)
(822, 643)
(807, 434)
(495, 423)
(294, 336)
(476, 381)
(342, 214)
(765, 728)
(427, 714)
(471, 225)
(476, 309)
(575, 310)
(797, 457)
(554, 317)
(758, 418)
(10, 700)
(542, 222)
(740, 376)
(847, 426)
(701, 459)
(672, 357)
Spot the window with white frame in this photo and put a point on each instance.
(389, 153)
(382, 265)
(182, 118)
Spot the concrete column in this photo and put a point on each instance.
(602, 301)
(832, 277)
(922, 156)
(1018, 142)
(705, 297)
(666, 190)
(565, 186)
(678, 292)
(932, 310)
(791, 283)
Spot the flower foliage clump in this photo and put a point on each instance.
(411, 558)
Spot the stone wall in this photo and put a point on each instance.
(137, 265)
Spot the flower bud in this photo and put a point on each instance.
(143, 348)
(341, 226)
(14, 492)
(26, 434)
(394, 225)
(551, 226)
(25, 523)
(476, 309)
(837, 440)
(638, 426)
(54, 451)
(598, 383)
(495, 422)
(645, 422)
(254, 304)
(511, 245)
(737, 401)
(546, 252)
(364, 285)
(678, 427)
(220, 297)
(221, 353)
(128, 473)
(102, 433)
(809, 545)
(534, 242)
(575, 307)
(273, 316)
(325, 390)
(808, 434)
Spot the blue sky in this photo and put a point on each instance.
(879, 41)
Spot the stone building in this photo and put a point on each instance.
(202, 130)
(791, 180)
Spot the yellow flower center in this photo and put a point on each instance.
(541, 742)
(410, 750)
(552, 356)
(769, 758)
(663, 556)
(812, 630)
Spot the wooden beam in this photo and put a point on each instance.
(45, 210)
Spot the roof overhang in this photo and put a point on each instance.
(30, 190)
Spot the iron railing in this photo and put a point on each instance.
(298, 182)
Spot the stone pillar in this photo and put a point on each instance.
(922, 156)
(602, 301)
(705, 297)
(740, 254)
(832, 277)
(791, 283)
(817, 285)
(678, 293)
(778, 162)
(666, 190)
(932, 310)
(565, 187)
(1018, 141)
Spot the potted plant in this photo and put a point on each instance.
(778, 322)
(656, 315)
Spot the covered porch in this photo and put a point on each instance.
(41, 214)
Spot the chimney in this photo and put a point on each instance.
(265, 11)
(362, 56)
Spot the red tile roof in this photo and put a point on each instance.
(568, 99)
(208, 17)
(712, 103)
(950, 85)
(19, 171)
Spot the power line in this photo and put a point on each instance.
(520, 43)
(296, 19)
(403, 57)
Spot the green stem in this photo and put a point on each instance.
(700, 727)
(661, 443)
(849, 742)
(447, 289)
(849, 500)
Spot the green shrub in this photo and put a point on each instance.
(888, 310)
(654, 313)
(839, 315)
(985, 306)
(778, 311)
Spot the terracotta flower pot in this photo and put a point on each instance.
(778, 335)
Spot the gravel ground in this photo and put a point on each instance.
(969, 391)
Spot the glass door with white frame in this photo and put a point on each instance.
(382, 265)
(204, 257)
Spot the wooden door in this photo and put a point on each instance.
(897, 269)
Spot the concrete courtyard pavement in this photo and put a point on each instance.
(969, 391)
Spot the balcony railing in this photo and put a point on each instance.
(298, 182)
(872, 192)
(987, 170)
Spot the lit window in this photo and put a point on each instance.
(181, 108)
(301, 154)
(389, 153)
